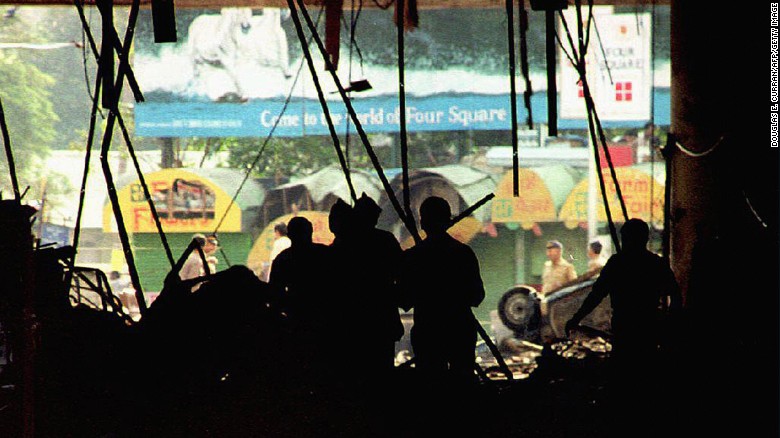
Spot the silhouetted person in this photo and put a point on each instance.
(442, 281)
(340, 222)
(376, 257)
(641, 286)
(301, 275)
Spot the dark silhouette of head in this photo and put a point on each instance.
(340, 217)
(634, 234)
(299, 230)
(366, 212)
(435, 215)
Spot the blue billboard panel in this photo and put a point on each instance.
(233, 69)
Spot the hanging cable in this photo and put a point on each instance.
(528, 92)
(512, 95)
(408, 221)
(87, 157)
(267, 138)
(594, 123)
(326, 112)
(652, 113)
(703, 153)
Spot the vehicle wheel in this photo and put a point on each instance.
(519, 310)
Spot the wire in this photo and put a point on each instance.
(268, 137)
(695, 154)
(753, 210)
(603, 52)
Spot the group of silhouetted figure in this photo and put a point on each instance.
(311, 352)
(320, 336)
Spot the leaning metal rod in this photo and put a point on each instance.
(493, 349)
(124, 68)
(145, 188)
(129, 71)
(467, 212)
(122, 230)
(400, 21)
(591, 107)
(87, 157)
(9, 153)
(513, 95)
(321, 96)
(607, 209)
(607, 155)
(579, 64)
(358, 126)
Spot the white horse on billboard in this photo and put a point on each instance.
(237, 55)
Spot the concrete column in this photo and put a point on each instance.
(713, 105)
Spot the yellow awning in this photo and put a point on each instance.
(637, 187)
(541, 192)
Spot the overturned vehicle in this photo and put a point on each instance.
(541, 319)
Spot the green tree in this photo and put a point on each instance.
(280, 158)
(29, 113)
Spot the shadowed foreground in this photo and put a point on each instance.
(221, 362)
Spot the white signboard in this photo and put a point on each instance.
(618, 66)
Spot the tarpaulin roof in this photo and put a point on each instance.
(331, 181)
(470, 184)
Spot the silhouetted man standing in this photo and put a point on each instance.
(641, 286)
(376, 257)
(638, 283)
(300, 275)
(442, 279)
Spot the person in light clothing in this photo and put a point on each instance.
(557, 271)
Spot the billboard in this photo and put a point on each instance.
(240, 71)
(618, 65)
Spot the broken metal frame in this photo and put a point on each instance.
(125, 67)
(110, 98)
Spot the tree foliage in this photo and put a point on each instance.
(26, 95)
